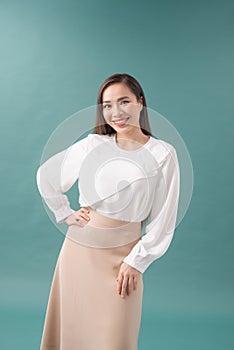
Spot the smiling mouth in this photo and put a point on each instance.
(121, 122)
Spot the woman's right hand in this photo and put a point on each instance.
(79, 217)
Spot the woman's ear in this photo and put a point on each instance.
(141, 102)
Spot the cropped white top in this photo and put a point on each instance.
(130, 185)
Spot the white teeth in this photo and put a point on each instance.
(120, 121)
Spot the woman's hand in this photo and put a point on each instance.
(127, 279)
(79, 217)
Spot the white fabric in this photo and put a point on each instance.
(127, 185)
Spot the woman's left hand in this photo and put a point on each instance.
(127, 279)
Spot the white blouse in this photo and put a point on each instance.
(130, 185)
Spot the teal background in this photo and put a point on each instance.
(54, 56)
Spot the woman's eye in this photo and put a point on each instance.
(107, 106)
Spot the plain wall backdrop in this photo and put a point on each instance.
(54, 56)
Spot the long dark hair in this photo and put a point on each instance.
(101, 127)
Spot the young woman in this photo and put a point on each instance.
(126, 176)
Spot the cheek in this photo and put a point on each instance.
(133, 110)
(106, 116)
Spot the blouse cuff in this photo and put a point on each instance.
(138, 266)
(62, 214)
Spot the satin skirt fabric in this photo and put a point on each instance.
(84, 310)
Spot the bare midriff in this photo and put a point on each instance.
(99, 220)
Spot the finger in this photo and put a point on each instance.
(135, 282)
(85, 210)
(76, 220)
(124, 287)
(119, 284)
(80, 218)
(85, 217)
(130, 285)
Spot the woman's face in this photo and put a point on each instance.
(120, 108)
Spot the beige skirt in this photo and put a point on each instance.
(84, 310)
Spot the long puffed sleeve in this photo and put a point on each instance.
(57, 175)
(163, 214)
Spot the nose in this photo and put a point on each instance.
(116, 111)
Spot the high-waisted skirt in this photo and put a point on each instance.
(84, 310)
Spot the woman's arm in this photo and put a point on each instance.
(57, 175)
(160, 230)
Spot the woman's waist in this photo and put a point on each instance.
(104, 232)
(103, 221)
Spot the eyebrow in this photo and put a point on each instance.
(119, 99)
